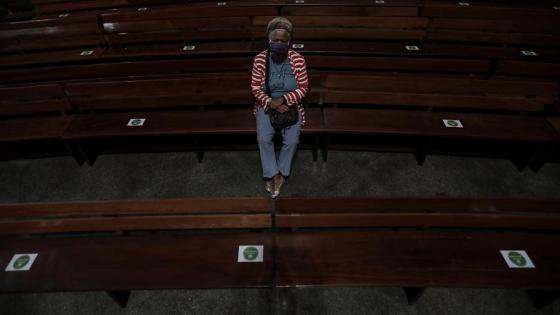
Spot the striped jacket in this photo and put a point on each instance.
(297, 63)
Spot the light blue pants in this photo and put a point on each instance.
(290, 139)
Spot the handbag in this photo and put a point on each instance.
(279, 120)
(282, 120)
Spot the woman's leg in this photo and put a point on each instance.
(265, 134)
(290, 140)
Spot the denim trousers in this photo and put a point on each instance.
(290, 139)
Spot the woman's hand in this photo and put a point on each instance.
(278, 105)
(276, 102)
(282, 108)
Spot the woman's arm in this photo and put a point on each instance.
(257, 79)
(298, 94)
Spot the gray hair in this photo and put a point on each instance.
(279, 23)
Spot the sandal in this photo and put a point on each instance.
(278, 182)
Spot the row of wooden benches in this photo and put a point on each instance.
(184, 29)
(231, 90)
(412, 243)
(527, 141)
(508, 8)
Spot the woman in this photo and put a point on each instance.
(288, 85)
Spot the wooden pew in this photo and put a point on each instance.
(452, 9)
(355, 27)
(46, 7)
(418, 212)
(134, 215)
(33, 99)
(27, 126)
(187, 130)
(351, 8)
(202, 251)
(34, 137)
(109, 70)
(338, 242)
(518, 138)
(228, 89)
(432, 92)
(182, 24)
(50, 34)
(536, 32)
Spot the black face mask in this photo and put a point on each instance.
(279, 48)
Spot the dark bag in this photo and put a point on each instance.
(282, 120)
(279, 120)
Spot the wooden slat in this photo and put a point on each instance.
(327, 10)
(65, 56)
(138, 68)
(418, 212)
(411, 123)
(396, 63)
(450, 9)
(415, 259)
(125, 263)
(33, 99)
(239, 205)
(27, 129)
(174, 123)
(211, 89)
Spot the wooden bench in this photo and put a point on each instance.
(306, 242)
(122, 216)
(531, 32)
(418, 212)
(450, 93)
(184, 24)
(50, 34)
(32, 121)
(338, 242)
(203, 254)
(191, 130)
(108, 70)
(518, 138)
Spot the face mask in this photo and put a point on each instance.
(279, 48)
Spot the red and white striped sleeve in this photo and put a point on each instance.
(257, 80)
(298, 94)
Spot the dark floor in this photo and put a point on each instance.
(169, 175)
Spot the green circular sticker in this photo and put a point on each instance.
(250, 253)
(21, 261)
(136, 122)
(517, 259)
(452, 123)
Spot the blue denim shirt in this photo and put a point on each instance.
(281, 78)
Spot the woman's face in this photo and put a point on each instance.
(280, 36)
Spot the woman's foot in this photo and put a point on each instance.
(268, 186)
(278, 182)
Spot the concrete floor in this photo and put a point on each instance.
(170, 175)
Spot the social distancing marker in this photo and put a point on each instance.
(221, 4)
(517, 259)
(250, 253)
(464, 4)
(63, 15)
(529, 52)
(21, 262)
(300, 1)
(143, 9)
(86, 53)
(412, 47)
(379, 1)
(189, 47)
(297, 46)
(452, 123)
(136, 122)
